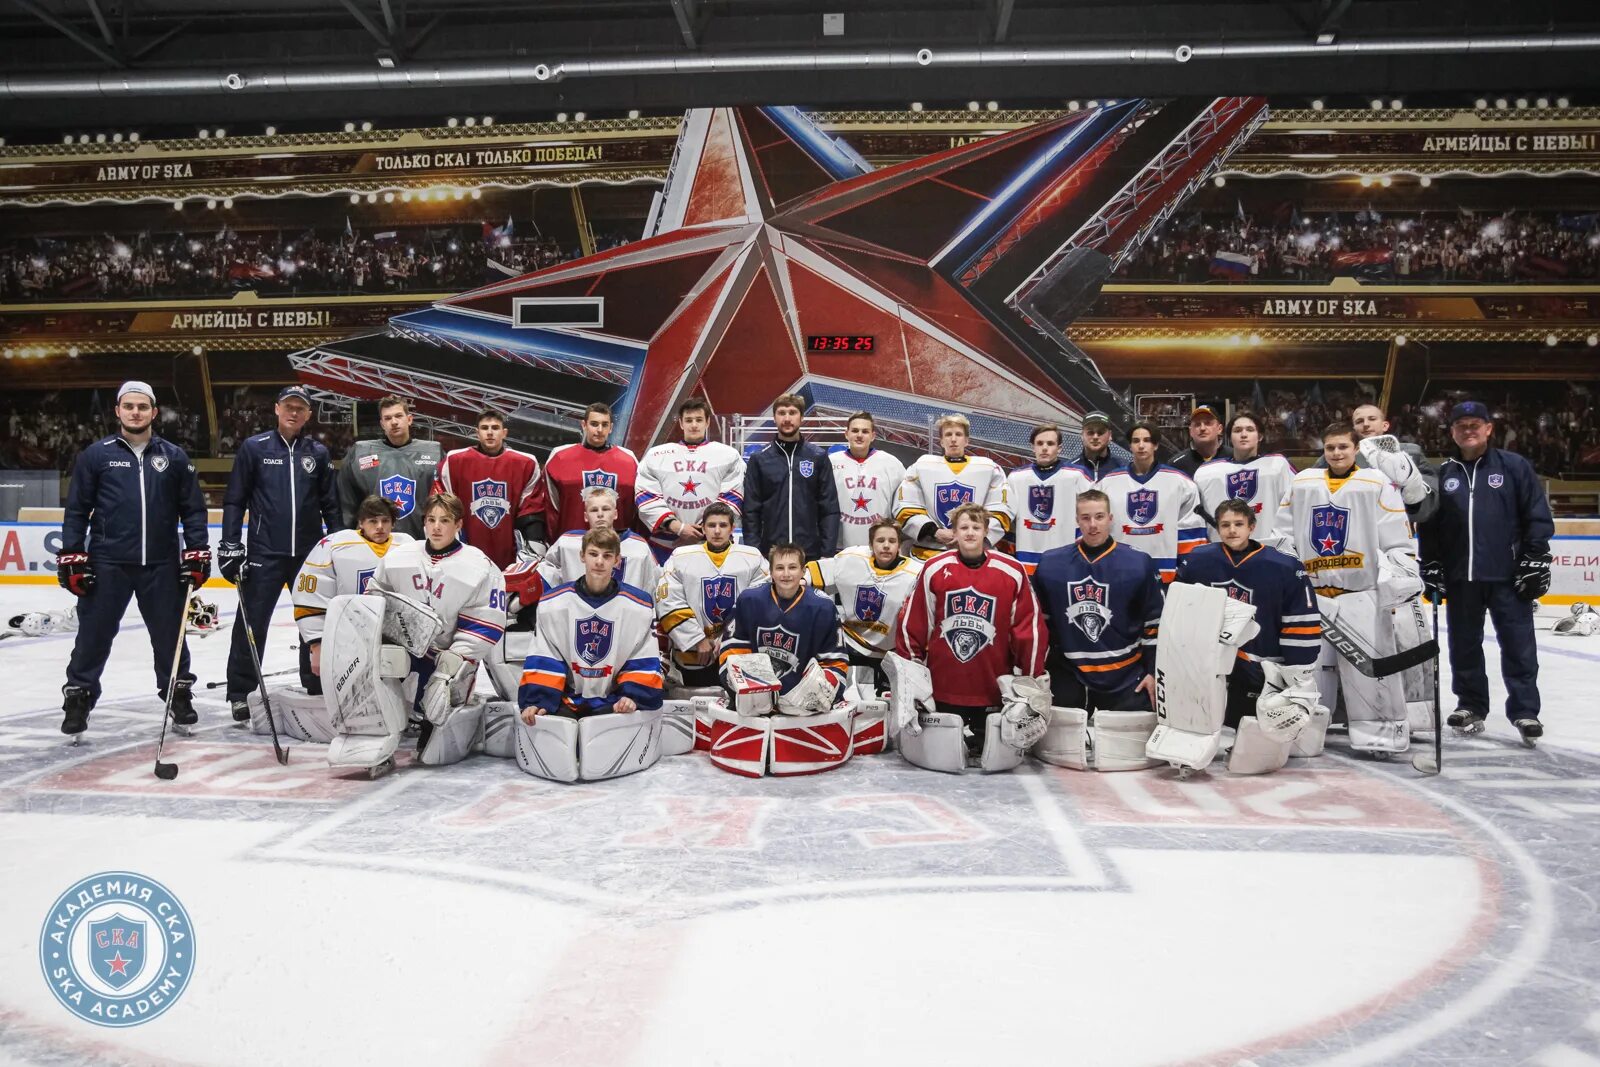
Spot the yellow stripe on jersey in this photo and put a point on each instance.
(674, 619)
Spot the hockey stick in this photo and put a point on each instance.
(168, 771)
(1377, 666)
(261, 679)
(1422, 761)
(270, 674)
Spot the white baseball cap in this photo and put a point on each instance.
(135, 387)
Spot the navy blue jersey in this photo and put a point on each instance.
(128, 506)
(1277, 584)
(288, 488)
(1103, 608)
(792, 634)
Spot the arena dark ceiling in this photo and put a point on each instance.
(54, 38)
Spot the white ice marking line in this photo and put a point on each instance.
(1069, 846)
(1565, 1056)
(380, 792)
(1529, 949)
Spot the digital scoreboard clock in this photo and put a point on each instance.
(840, 342)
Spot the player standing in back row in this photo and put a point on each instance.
(1041, 498)
(867, 480)
(397, 467)
(593, 461)
(503, 491)
(936, 486)
(788, 489)
(680, 479)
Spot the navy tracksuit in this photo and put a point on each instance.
(126, 507)
(1492, 510)
(289, 489)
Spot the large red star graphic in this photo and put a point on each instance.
(772, 238)
(1328, 544)
(861, 503)
(118, 965)
(690, 486)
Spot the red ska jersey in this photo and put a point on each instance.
(791, 635)
(1156, 513)
(1277, 584)
(497, 491)
(573, 468)
(1104, 610)
(1261, 482)
(1043, 506)
(589, 651)
(971, 624)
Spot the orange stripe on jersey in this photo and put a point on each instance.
(548, 679)
(1309, 630)
(306, 613)
(645, 678)
(1097, 667)
(729, 653)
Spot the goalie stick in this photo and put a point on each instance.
(1377, 666)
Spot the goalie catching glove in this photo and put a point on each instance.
(1382, 452)
(449, 668)
(1287, 701)
(1024, 709)
(409, 624)
(813, 694)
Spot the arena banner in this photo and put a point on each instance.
(1464, 143)
(1342, 301)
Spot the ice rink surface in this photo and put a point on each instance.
(1342, 911)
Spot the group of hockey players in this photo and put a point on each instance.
(787, 611)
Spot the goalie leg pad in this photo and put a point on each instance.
(738, 743)
(1182, 749)
(677, 727)
(1254, 752)
(1192, 665)
(360, 687)
(299, 714)
(1410, 630)
(612, 745)
(459, 736)
(1375, 707)
(504, 664)
(549, 748)
(810, 744)
(701, 699)
(499, 735)
(1066, 739)
(1121, 740)
(998, 754)
(1311, 738)
(869, 733)
(939, 745)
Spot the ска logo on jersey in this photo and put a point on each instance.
(1042, 506)
(401, 492)
(594, 645)
(491, 502)
(1242, 484)
(1330, 525)
(1088, 607)
(968, 622)
(717, 594)
(1242, 593)
(781, 646)
(604, 479)
(948, 496)
(869, 603)
(1142, 506)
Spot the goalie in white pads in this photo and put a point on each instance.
(341, 564)
(445, 604)
(1350, 531)
(791, 635)
(936, 486)
(697, 591)
(1271, 698)
(592, 686)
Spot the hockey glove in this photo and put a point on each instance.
(1382, 451)
(437, 696)
(1287, 700)
(1533, 575)
(72, 571)
(196, 566)
(230, 561)
(1024, 710)
(1433, 580)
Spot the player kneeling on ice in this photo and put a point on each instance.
(433, 609)
(782, 663)
(592, 685)
(1269, 690)
(967, 673)
(1101, 600)
(341, 564)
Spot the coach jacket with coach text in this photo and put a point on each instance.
(128, 506)
(288, 488)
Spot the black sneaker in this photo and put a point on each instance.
(241, 710)
(74, 709)
(183, 713)
(1466, 721)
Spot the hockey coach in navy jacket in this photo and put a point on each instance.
(1488, 548)
(789, 492)
(285, 480)
(119, 540)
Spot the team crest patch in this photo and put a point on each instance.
(594, 639)
(401, 492)
(717, 593)
(869, 603)
(948, 496)
(1142, 506)
(1041, 501)
(606, 479)
(160, 463)
(968, 623)
(490, 502)
(308, 463)
(1242, 484)
(1088, 608)
(1452, 484)
(1496, 481)
(363, 578)
(781, 646)
(1235, 591)
(1330, 525)
(807, 468)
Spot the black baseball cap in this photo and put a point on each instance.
(1469, 409)
(1097, 416)
(294, 392)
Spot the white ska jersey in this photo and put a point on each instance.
(464, 588)
(1342, 527)
(868, 489)
(341, 563)
(680, 481)
(586, 652)
(1157, 513)
(1261, 482)
(696, 593)
(564, 562)
(869, 599)
(1043, 508)
(935, 486)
